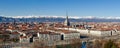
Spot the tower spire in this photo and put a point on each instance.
(66, 13)
(67, 23)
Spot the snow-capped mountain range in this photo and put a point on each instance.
(72, 17)
(45, 18)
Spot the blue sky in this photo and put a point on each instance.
(59, 7)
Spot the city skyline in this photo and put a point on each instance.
(96, 8)
(59, 24)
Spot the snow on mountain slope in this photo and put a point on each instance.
(72, 17)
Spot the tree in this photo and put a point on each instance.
(97, 44)
(110, 44)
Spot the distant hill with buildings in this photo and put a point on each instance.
(56, 19)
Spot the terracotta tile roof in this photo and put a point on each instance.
(23, 37)
(15, 33)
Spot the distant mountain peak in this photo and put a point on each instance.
(71, 17)
(58, 19)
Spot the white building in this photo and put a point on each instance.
(98, 33)
(50, 36)
(70, 35)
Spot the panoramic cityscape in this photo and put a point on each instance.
(59, 24)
